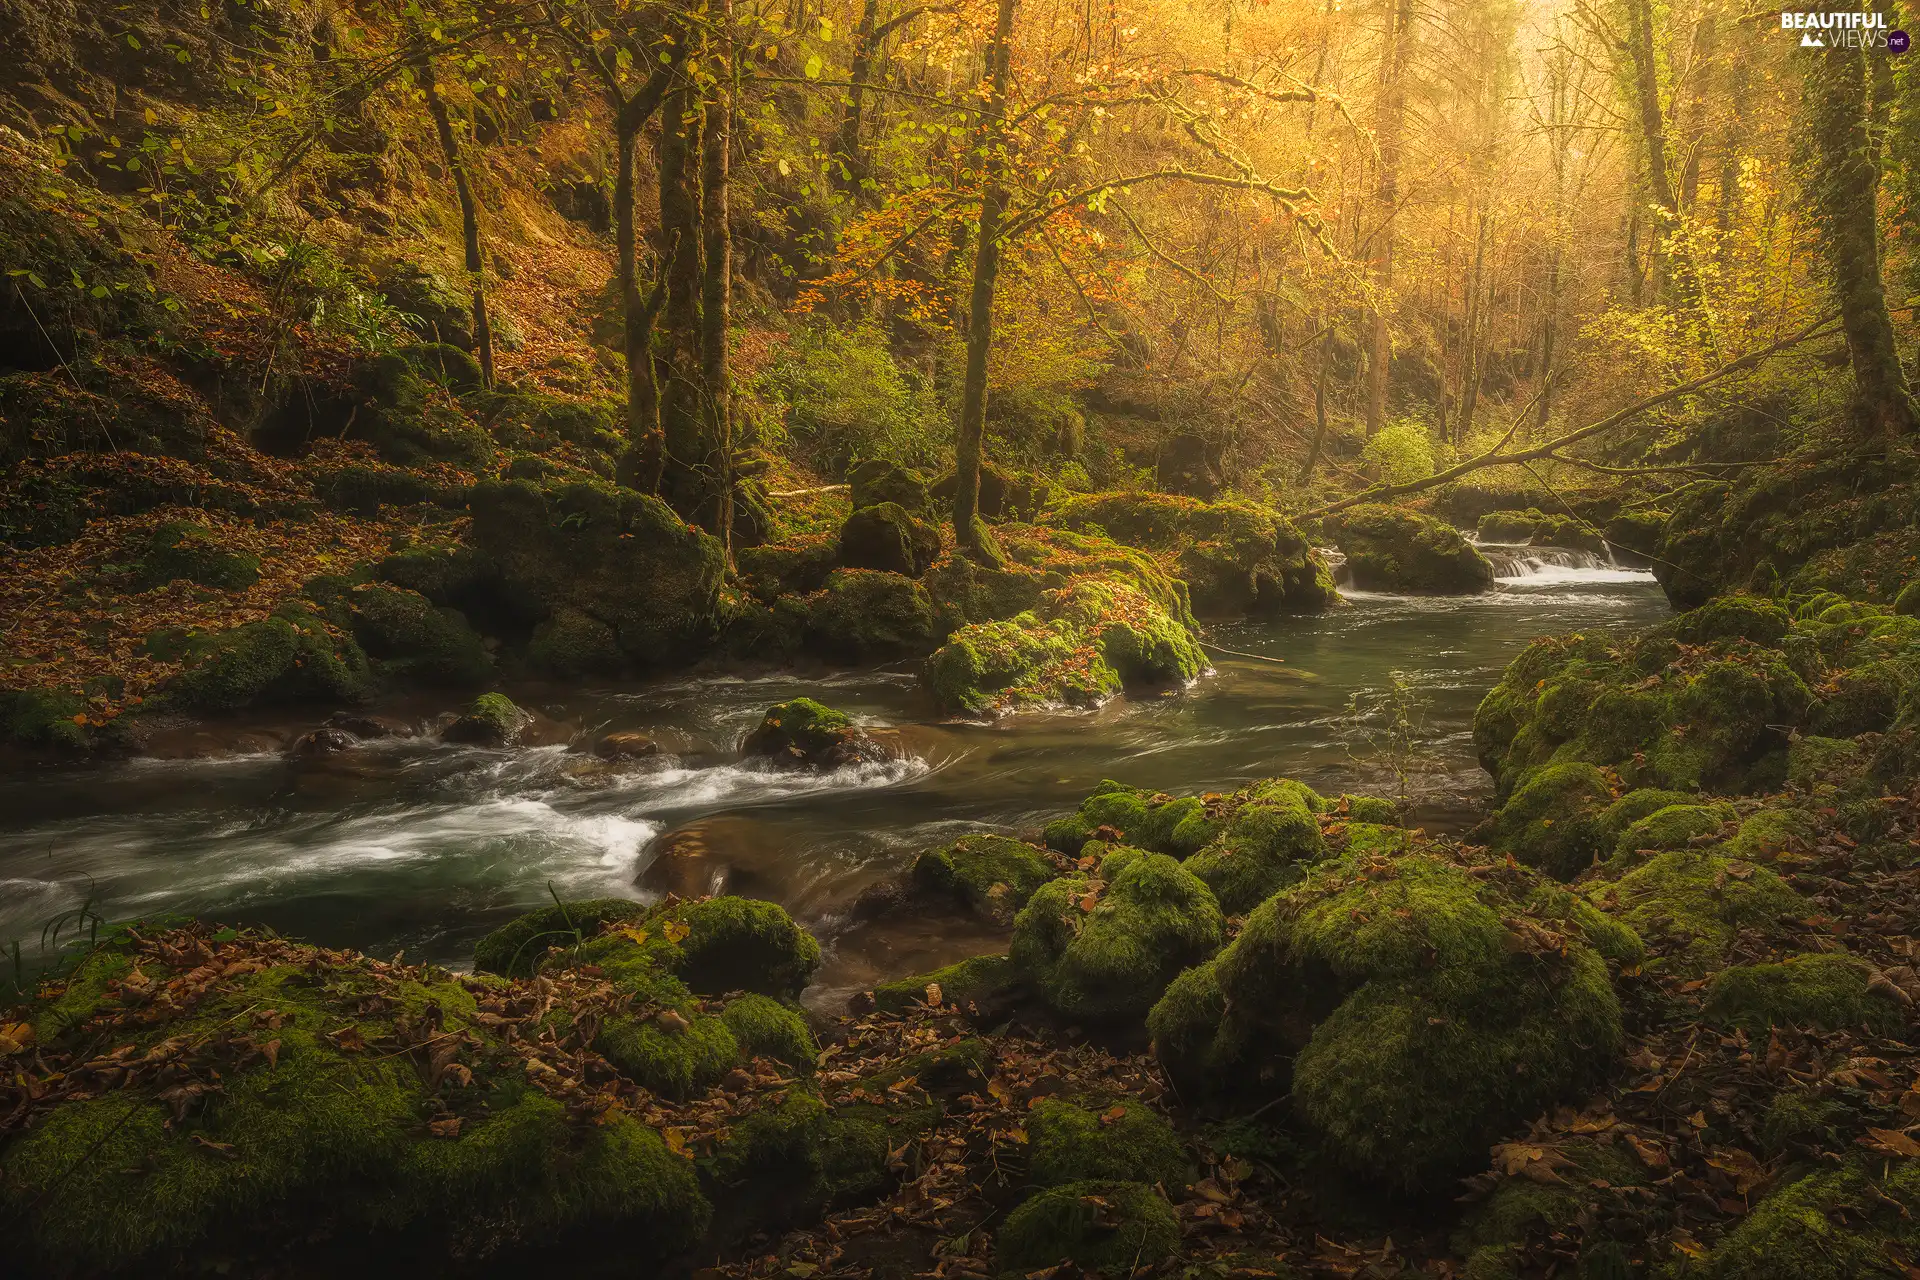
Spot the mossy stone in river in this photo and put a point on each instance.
(1124, 1140)
(992, 876)
(1390, 997)
(1144, 819)
(1114, 1228)
(985, 981)
(490, 720)
(1393, 549)
(1104, 948)
(809, 733)
(1818, 992)
(864, 615)
(571, 644)
(183, 549)
(1552, 820)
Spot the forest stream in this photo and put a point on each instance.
(423, 845)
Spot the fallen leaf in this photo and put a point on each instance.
(1890, 1142)
(449, 1127)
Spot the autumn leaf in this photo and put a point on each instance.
(1890, 1142)
(448, 1127)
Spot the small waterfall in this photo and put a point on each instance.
(1519, 562)
(1336, 561)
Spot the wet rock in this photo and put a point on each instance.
(491, 720)
(362, 725)
(806, 733)
(625, 746)
(1393, 549)
(322, 742)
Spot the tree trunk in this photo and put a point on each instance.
(1319, 409)
(646, 450)
(1653, 132)
(469, 215)
(682, 411)
(1476, 318)
(717, 245)
(846, 146)
(1844, 192)
(1393, 111)
(968, 529)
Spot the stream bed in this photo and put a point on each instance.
(424, 846)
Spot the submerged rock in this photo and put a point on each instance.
(807, 733)
(1394, 549)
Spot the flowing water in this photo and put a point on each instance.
(416, 844)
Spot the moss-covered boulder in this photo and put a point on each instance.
(797, 566)
(1551, 821)
(1390, 998)
(864, 615)
(183, 549)
(417, 641)
(293, 656)
(570, 644)
(1235, 557)
(1123, 1140)
(811, 734)
(610, 554)
(1661, 711)
(988, 983)
(306, 1093)
(517, 948)
(887, 537)
(1696, 904)
(1268, 834)
(1824, 991)
(1393, 549)
(1558, 1184)
(490, 720)
(1103, 947)
(1150, 820)
(743, 944)
(413, 419)
(1112, 1228)
(877, 480)
(1674, 826)
(992, 876)
(1832, 1225)
(1081, 645)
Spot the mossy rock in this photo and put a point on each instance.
(1401, 551)
(1677, 826)
(985, 981)
(878, 481)
(1121, 1141)
(811, 734)
(417, 641)
(992, 876)
(1114, 1228)
(289, 657)
(1389, 997)
(1632, 807)
(888, 538)
(1155, 821)
(1235, 557)
(622, 558)
(1660, 713)
(742, 944)
(1819, 992)
(1524, 1207)
(765, 1028)
(1104, 948)
(490, 720)
(864, 615)
(411, 419)
(794, 567)
(571, 644)
(1698, 903)
(47, 719)
(1265, 844)
(1551, 821)
(803, 1156)
(182, 549)
(1376, 810)
(1817, 764)
(517, 948)
(322, 1131)
(1834, 1225)
(444, 574)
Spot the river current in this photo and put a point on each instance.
(419, 845)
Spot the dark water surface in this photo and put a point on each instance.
(423, 846)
